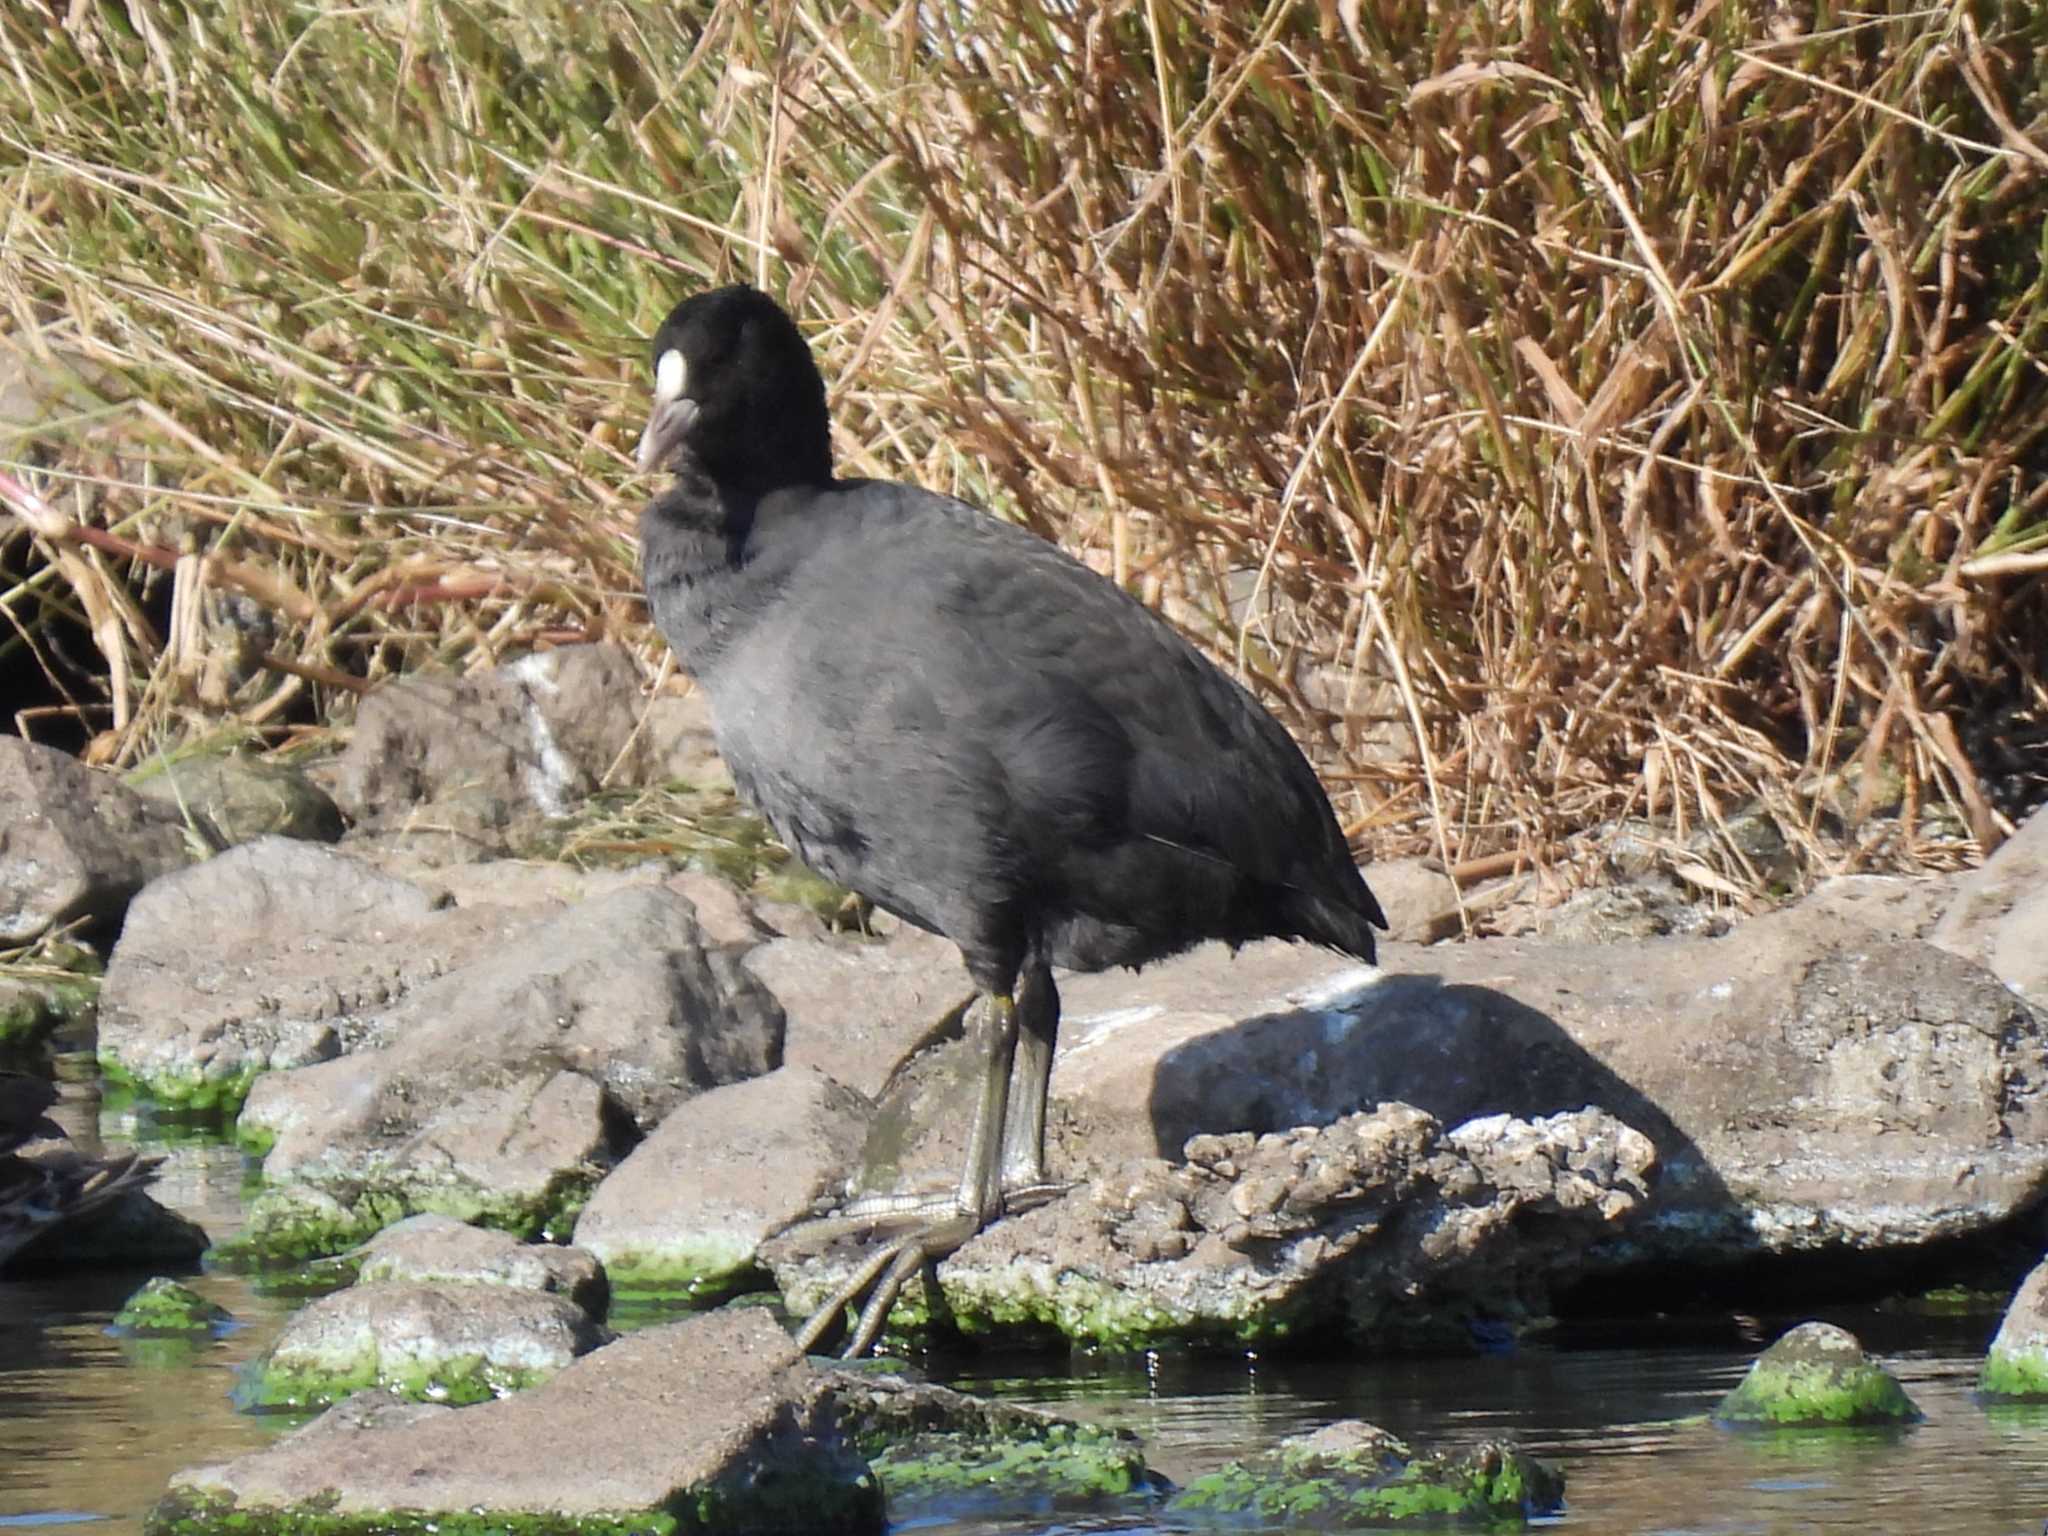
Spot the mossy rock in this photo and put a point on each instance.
(1816, 1377)
(1353, 1474)
(165, 1309)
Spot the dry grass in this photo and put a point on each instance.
(1559, 413)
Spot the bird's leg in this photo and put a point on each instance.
(993, 1019)
(1024, 1180)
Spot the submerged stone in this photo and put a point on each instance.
(1352, 1473)
(1816, 1377)
(165, 1309)
(943, 1454)
(2016, 1368)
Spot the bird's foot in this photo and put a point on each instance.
(881, 1280)
(939, 1228)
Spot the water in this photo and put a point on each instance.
(92, 1427)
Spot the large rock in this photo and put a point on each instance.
(1999, 916)
(75, 843)
(492, 749)
(1384, 1219)
(501, 1092)
(716, 1423)
(1816, 1377)
(686, 1212)
(1809, 1085)
(275, 954)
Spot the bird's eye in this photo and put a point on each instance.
(668, 375)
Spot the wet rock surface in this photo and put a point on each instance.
(1351, 1474)
(434, 1249)
(75, 843)
(1379, 1219)
(1816, 1377)
(165, 1309)
(715, 1423)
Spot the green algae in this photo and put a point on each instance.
(292, 1223)
(2018, 1375)
(192, 1514)
(164, 1308)
(1494, 1486)
(696, 1274)
(457, 1380)
(183, 1093)
(1095, 1314)
(1816, 1377)
(1070, 1463)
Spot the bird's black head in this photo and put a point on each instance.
(736, 395)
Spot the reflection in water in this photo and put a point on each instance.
(92, 1427)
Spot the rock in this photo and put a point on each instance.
(946, 1457)
(685, 1213)
(433, 1249)
(857, 1008)
(2016, 1366)
(502, 1091)
(444, 1342)
(275, 954)
(1816, 1377)
(1805, 1094)
(36, 1003)
(1351, 1474)
(241, 798)
(1647, 907)
(1849, 908)
(74, 843)
(493, 748)
(1420, 900)
(1384, 1217)
(676, 743)
(165, 1309)
(129, 1231)
(1999, 915)
(715, 1423)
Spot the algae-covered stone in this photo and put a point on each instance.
(2017, 1365)
(1352, 1473)
(448, 1343)
(945, 1454)
(165, 1309)
(716, 1424)
(1816, 1377)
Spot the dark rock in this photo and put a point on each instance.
(75, 843)
(501, 1092)
(484, 752)
(2016, 1366)
(1816, 1377)
(1351, 1474)
(1382, 1218)
(242, 798)
(444, 1342)
(686, 1212)
(716, 1423)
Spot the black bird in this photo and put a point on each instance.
(954, 719)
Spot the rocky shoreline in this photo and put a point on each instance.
(453, 1057)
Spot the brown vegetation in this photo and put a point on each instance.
(1558, 412)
